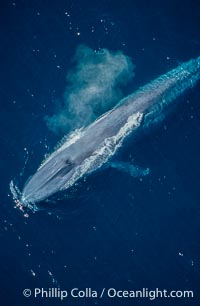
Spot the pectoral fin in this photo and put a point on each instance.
(133, 170)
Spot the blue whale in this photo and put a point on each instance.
(89, 148)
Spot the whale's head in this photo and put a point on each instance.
(48, 179)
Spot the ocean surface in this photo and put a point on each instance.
(111, 230)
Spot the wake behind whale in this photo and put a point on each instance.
(90, 148)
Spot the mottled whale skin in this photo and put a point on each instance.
(100, 140)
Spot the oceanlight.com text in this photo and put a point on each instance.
(112, 293)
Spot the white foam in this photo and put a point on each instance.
(105, 150)
(65, 143)
(17, 198)
(15, 191)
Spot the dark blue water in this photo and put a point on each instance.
(112, 231)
